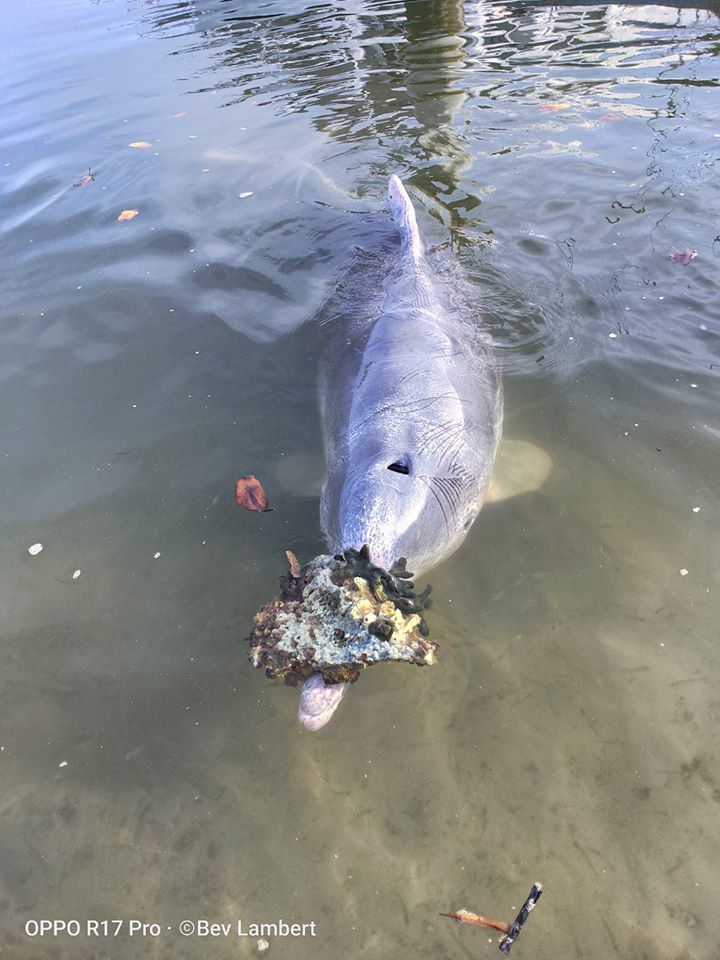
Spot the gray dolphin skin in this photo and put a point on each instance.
(412, 415)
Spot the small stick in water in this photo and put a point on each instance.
(512, 930)
(519, 921)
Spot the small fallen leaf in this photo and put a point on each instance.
(86, 179)
(510, 931)
(552, 107)
(467, 917)
(128, 215)
(295, 568)
(140, 144)
(250, 494)
(683, 256)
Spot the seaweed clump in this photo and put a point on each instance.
(338, 615)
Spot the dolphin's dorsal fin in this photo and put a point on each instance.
(403, 214)
(520, 467)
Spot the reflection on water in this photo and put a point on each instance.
(559, 154)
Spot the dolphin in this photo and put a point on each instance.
(411, 405)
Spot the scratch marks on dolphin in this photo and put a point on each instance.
(445, 441)
(410, 376)
(415, 406)
(428, 481)
(450, 488)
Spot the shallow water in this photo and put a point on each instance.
(569, 731)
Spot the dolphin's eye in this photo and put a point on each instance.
(399, 467)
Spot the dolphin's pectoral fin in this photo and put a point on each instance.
(520, 467)
(301, 473)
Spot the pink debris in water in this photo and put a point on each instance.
(86, 179)
(683, 256)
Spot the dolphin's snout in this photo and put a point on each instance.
(319, 701)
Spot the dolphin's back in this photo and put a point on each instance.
(411, 403)
(412, 422)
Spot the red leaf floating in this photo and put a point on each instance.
(250, 494)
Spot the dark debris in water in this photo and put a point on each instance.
(338, 615)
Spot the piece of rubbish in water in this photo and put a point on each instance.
(510, 931)
(262, 946)
(127, 215)
(683, 256)
(76, 574)
(35, 549)
(247, 193)
(140, 144)
(339, 614)
(554, 107)
(249, 493)
(63, 763)
(684, 572)
(86, 179)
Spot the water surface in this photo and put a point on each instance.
(558, 155)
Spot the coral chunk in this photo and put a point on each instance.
(338, 615)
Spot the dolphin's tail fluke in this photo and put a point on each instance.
(404, 216)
